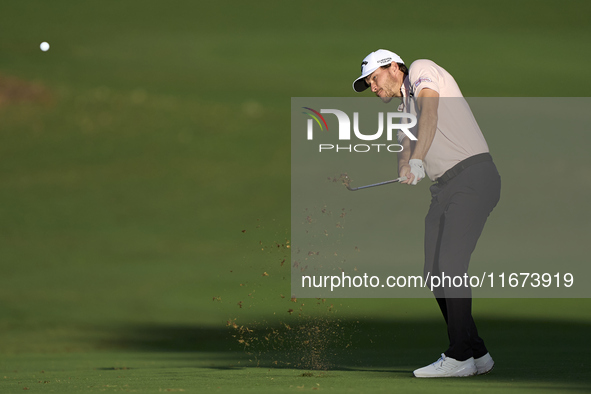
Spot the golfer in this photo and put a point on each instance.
(452, 151)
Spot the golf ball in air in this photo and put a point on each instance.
(44, 46)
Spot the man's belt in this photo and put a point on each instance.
(461, 166)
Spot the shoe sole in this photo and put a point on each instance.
(487, 372)
(445, 376)
(448, 376)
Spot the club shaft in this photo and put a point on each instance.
(378, 184)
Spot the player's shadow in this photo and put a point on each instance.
(524, 349)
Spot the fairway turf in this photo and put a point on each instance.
(143, 196)
(382, 355)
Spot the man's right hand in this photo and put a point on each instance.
(404, 170)
(414, 172)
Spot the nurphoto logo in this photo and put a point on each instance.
(393, 123)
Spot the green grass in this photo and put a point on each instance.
(381, 354)
(123, 199)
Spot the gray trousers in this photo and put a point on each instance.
(456, 218)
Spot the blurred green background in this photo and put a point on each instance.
(144, 185)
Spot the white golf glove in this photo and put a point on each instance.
(416, 168)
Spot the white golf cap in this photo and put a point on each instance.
(372, 62)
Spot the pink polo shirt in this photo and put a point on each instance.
(458, 135)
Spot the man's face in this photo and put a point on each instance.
(386, 82)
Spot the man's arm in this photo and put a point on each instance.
(404, 157)
(427, 102)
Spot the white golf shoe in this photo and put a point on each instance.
(484, 364)
(447, 367)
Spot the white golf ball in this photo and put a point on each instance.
(44, 46)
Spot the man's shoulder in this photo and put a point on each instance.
(422, 64)
(425, 73)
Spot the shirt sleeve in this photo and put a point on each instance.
(423, 74)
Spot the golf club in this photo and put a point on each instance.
(375, 184)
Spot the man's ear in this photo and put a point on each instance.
(393, 68)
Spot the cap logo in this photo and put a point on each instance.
(386, 60)
(362, 64)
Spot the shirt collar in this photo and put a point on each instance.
(405, 88)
